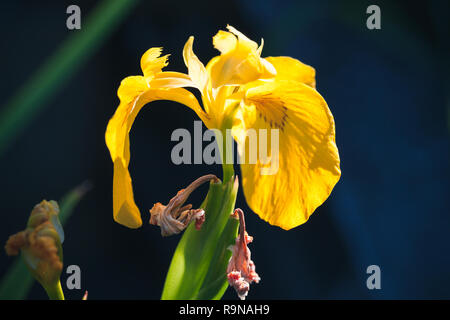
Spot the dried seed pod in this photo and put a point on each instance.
(241, 269)
(175, 217)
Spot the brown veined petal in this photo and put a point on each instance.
(292, 69)
(117, 140)
(287, 189)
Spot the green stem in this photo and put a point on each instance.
(228, 171)
(227, 168)
(55, 292)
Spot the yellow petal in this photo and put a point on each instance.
(239, 62)
(292, 69)
(227, 41)
(171, 79)
(152, 63)
(117, 140)
(124, 208)
(197, 71)
(224, 41)
(243, 40)
(131, 87)
(308, 159)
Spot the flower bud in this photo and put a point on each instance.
(40, 244)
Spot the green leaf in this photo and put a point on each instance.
(71, 199)
(193, 260)
(216, 283)
(17, 281)
(34, 95)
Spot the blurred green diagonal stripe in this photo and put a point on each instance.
(33, 96)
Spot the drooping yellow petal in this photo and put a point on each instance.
(129, 90)
(300, 176)
(239, 62)
(117, 139)
(131, 87)
(292, 69)
(124, 208)
(135, 92)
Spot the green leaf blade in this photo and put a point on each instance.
(195, 252)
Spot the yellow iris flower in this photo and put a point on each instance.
(254, 92)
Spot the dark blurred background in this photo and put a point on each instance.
(388, 90)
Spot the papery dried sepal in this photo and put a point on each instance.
(175, 217)
(241, 269)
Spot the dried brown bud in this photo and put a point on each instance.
(15, 243)
(40, 243)
(174, 218)
(241, 269)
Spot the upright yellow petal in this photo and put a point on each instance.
(244, 42)
(224, 41)
(292, 69)
(300, 176)
(196, 69)
(239, 62)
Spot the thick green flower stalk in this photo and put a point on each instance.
(40, 247)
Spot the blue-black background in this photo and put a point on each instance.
(388, 90)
